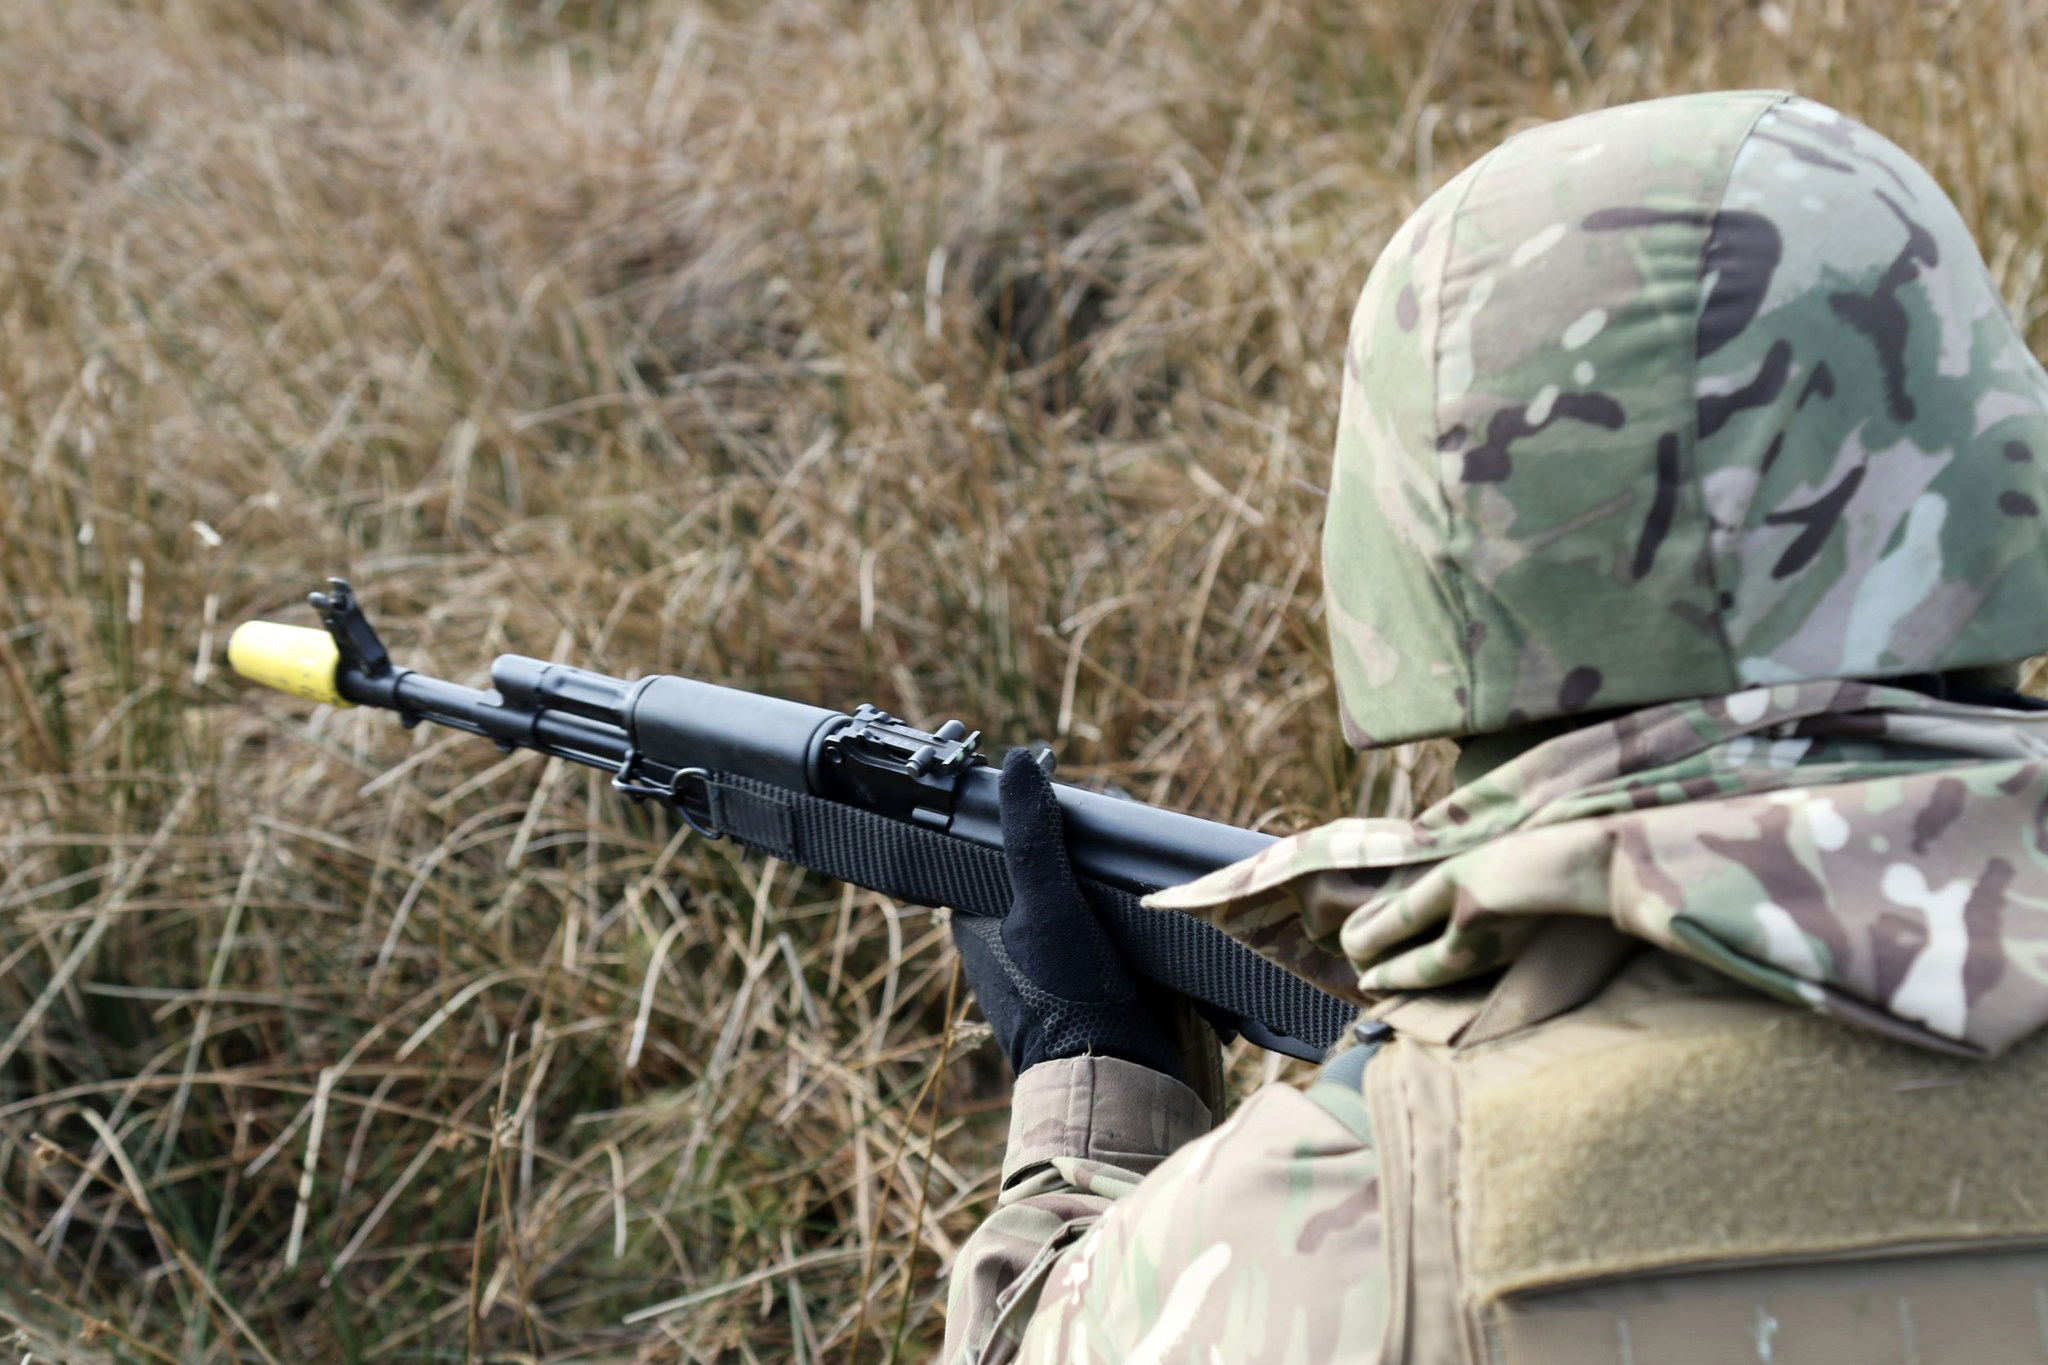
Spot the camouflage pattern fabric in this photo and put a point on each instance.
(1208, 1260)
(1862, 850)
(1867, 851)
(1084, 1131)
(1670, 400)
(1207, 1249)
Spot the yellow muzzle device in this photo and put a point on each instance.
(300, 660)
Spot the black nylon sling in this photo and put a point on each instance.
(926, 867)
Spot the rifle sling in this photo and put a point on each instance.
(907, 862)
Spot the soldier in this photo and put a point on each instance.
(1690, 471)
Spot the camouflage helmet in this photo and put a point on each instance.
(1670, 400)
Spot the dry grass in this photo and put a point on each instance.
(968, 358)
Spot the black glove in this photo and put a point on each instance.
(1047, 976)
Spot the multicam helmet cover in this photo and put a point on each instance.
(1670, 400)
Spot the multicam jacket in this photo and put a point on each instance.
(1739, 866)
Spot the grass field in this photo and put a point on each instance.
(969, 358)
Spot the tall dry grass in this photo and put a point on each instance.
(968, 358)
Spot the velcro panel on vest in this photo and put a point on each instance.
(1956, 1310)
(1696, 1133)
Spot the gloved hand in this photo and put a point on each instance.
(1048, 978)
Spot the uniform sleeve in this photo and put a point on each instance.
(1259, 1241)
(1083, 1132)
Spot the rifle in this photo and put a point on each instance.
(864, 798)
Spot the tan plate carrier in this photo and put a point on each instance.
(1676, 1171)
